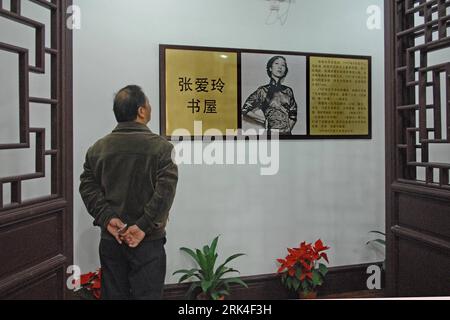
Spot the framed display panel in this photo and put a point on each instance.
(230, 93)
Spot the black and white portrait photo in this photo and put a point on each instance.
(274, 93)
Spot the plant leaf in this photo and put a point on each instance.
(305, 286)
(206, 285)
(212, 253)
(209, 260)
(378, 232)
(215, 295)
(289, 283)
(185, 271)
(380, 241)
(214, 244)
(297, 284)
(191, 253)
(298, 273)
(219, 274)
(316, 279)
(234, 256)
(236, 281)
(323, 269)
(202, 262)
(189, 275)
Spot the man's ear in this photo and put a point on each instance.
(141, 111)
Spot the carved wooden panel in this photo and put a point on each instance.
(417, 120)
(36, 233)
(421, 29)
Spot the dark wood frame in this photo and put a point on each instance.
(307, 136)
(391, 254)
(45, 277)
(417, 213)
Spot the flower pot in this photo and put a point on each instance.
(85, 294)
(309, 296)
(204, 296)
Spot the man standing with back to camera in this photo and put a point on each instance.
(128, 186)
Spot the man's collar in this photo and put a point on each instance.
(131, 126)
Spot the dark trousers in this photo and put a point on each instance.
(132, 273)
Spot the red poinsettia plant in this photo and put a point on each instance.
(301, 270)
(90, 284)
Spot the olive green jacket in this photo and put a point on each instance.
(130, 175)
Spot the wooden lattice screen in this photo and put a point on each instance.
(417, 120)
(36, 234)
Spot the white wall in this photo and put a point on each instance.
(332, 190)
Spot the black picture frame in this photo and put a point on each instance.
(239, 102)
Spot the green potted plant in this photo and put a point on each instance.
(301, 270)
(381, 242)
(210, 280)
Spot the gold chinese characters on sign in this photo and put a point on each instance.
(201, 86)
(339, 96)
